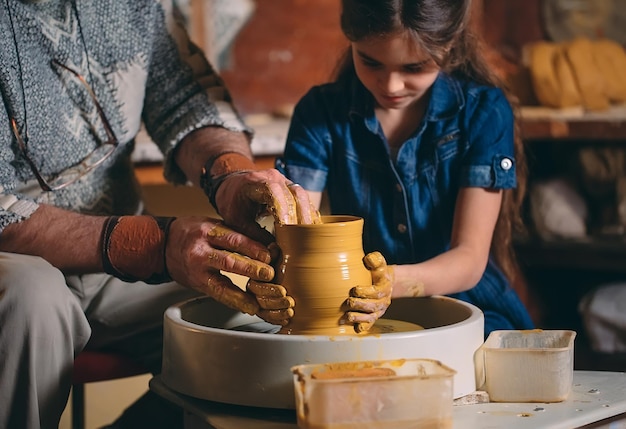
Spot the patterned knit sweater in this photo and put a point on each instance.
(137, 58)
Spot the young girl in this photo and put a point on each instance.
(416, 137)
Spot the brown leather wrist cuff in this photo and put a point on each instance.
(133, 248)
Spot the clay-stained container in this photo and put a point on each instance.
(320, 263)
(528, 366)
(398, 394)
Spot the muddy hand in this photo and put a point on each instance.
(287, 202)
(275, 306)
(244, 198)
(198, 248)
(367, 304)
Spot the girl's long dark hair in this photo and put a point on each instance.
(443, 29)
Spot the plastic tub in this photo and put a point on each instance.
(399, 394)
(529, 366)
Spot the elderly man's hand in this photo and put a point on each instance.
(275, 306)
(244, 197)
(367, 304)
(199, 247)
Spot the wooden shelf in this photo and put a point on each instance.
(555, 129)
(544, 125)
(539, 123)
(601, 254)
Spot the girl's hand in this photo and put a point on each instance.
(367, 304)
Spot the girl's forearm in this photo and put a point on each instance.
(454, 271)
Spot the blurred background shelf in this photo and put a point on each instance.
(591, 253)
(540, 123)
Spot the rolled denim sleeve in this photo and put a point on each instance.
(490, 161)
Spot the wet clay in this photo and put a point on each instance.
(389, 326)
(354, 373)
(319, 265)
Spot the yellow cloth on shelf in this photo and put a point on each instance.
(610, 59)
(588, 77)
(552, 76)
(580, 72)
(543, 73)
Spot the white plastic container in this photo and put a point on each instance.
(529, 366)
(399, 394)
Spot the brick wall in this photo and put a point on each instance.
(289, 45)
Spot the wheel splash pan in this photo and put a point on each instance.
(212, 352)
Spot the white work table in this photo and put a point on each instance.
(597, 400)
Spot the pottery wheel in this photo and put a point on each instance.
(382, 326)
(215, 353)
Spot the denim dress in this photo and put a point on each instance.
(335, 143)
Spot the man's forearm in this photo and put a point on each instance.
(207, 144)
(68, 240)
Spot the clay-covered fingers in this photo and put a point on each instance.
(367, 303)
(198, 248)
(235, 253)
(276, 317)
(370, 292)
(274, 305)
(374, 261)
(277, 200)
(305, 211)
(269, 295)
(363, 320)
(288, 204)
(243, 199)
(221, 288)
(363, 313)
(233, 262)
(382, 278)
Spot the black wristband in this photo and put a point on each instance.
(210, 184)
